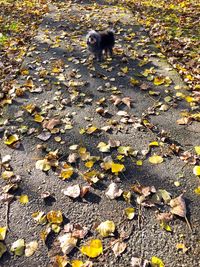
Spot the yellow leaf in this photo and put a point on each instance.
(124, 150)
(77, 263)
(18, 247)
(130, 213)
(91, 129)
(124, 70)
(139, 162)
(155, 159)
(197, 150)
(11, 139)
(60, 261)
(66, 172)
(38, 118)
(159, 80)
(196, 170)
(3, 249)
(165, 226)
(156, 262)
(196, 190)
(30, 108)
(103, 147)
(93, 249)
(89, 164)
(189, 99)
(39, 217)
(115, 167)
(3, 232)
(55, 216)
(23, 199)
(154, 143)
(106, 228)
(24, 72)
(134, 81)
(127, 196)
(42, 165)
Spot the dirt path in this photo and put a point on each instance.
(61, 81)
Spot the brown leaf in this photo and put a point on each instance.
(164, 216)
(50, 124)
(118, 247)
(178, 206)
(127, 101)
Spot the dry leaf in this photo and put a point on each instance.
(118, 247)
(113, 191)
(178, 206)
(67, 243)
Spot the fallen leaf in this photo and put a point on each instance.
(196, 170)
(72, 191)
(23, 199)
(18, 247)
(178, 206)
(93, 249)
(43, 165)
(3, 231)
(31, 248)
(54, 216)
(3, 249)
(11, 139)
(197, 150)
(155, 159)
(130, 213)
(77, 263)
(156, 262)
(181, 246)
(106, 228)
(113, 191)
(118, 247)
(67, 243)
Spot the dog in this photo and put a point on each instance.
(97, 42)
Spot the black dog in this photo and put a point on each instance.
(98, 42)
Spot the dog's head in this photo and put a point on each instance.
(92, 38)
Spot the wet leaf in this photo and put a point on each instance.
(93, 249)
(18, 247)
(106, 228)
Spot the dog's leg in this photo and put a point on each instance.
(111, 51)
(106, 52)
(99, 55)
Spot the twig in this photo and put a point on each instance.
(188, 223)
(7, 214)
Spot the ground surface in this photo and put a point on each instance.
(63, 82)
